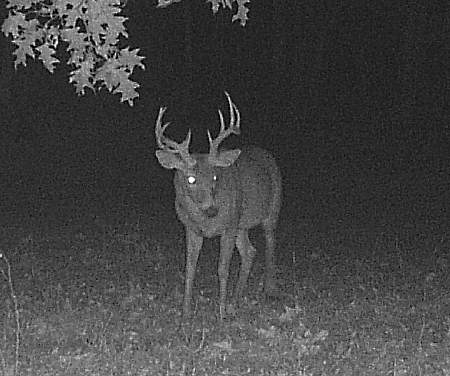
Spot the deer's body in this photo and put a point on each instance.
(247, 193)
(223, 193)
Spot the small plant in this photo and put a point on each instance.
(7, 275)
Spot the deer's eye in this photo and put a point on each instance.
(191, 180)
(215, 178)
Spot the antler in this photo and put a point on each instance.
(224, 133)
(165, 143)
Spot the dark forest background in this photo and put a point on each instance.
(351, 97)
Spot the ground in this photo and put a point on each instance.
(105, 299)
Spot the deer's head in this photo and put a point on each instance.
(199, 174)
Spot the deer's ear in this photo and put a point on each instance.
(170, 160)
(226, 158)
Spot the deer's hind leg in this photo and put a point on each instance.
(270, 287)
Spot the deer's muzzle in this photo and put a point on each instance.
(211, 212)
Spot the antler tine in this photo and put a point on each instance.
(185, 144)
(222, 128)
(159, 129)
(233, 108)
(168, 144)
(235, 120)
(230, 104)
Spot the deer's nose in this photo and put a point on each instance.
(211, 212)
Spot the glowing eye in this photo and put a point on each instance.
(215, 177)
(191, 179)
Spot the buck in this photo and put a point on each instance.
(223, 193)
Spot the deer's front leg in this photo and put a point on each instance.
(227, 242)
(193, 245)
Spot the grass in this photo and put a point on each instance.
(105, 300)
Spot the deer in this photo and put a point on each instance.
(223, 193)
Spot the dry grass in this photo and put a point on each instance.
(106, 301)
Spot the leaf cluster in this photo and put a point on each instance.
(91, 31)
